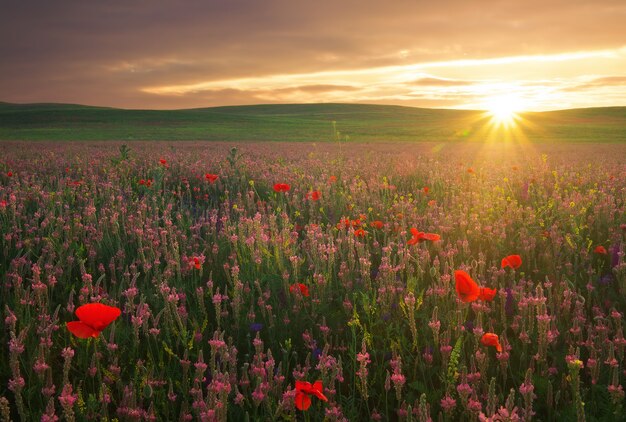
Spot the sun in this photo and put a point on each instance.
(504, 109)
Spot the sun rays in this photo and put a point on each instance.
(504, 109)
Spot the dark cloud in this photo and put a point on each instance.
(106, 52)
(314, 89)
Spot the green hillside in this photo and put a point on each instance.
(302, 122)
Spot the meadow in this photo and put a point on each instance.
(312, 281)
(303, 123)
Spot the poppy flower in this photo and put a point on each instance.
(10, 174)
(491, 340)
(163, 162)
(211, 177)
(432, 237)
(513, 261)
(470, 170)
(425, 189)
(304, 290)
(94, 318)
(195, 263)
(303, 392)
(314, 195)
(419, 236)
(281, 187)
(466, 287)
(360, 233)
(142, 182)
(486, 294)
(377, 224)
(3, 204)
(332, 179)
(600, 250)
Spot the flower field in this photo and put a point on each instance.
(266, 281)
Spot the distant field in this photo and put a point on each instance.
(303, 122)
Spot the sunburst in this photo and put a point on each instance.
(504, 109)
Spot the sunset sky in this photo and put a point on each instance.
(535, 54)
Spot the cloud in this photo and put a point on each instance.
(439, 82)
(606, 81)
(107, 53)
(314, 89)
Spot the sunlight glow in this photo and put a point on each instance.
(546, 82)
(503, 109)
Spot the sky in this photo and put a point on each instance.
(166, 54)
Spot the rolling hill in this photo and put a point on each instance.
(304, 122)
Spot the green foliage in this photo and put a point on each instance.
(453, 364)
(124, 155)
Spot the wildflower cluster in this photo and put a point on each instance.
(393, 282)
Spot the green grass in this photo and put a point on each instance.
(301, 122)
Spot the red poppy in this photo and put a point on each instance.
(432, 237)
(425, 189)
(163, 161)
(10, 174)
(304, 290)
(195, 262)
(513, 261)
(419, 236)
(377, 224)
(142, 182)
(303, 392)
(491, 340)
(360, 233)
(466, 287)
(211, 177)
(3, 204)
(94, 318)
(346, 223)
(470, 170)
(486, 294)
(281, 187)
(332, 179)
(314, 195)
(149, 182)
(600, 250)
